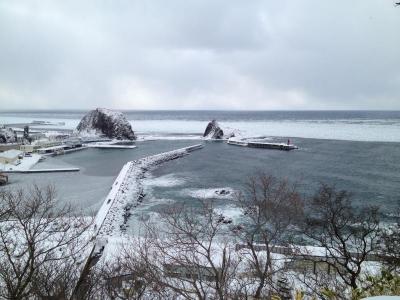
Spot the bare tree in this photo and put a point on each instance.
(39, 241)
(273, 207)
(185, 255)
(125, 277)
(390, 245)
(348, 234)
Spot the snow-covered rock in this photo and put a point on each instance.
(8, 135)
(216, 131)
(105, 122)
(213, 131)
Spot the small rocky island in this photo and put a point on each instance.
(108, 123)
(213, 131)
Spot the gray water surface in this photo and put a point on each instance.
(370, 170)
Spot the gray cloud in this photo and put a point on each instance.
(179, 54)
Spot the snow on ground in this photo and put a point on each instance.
(26, 164)
(211, 193)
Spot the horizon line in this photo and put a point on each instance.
(199, 110)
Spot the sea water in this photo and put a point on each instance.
(355, 151)
(339, 125)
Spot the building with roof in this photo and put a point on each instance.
(29, 148)
(10, 156)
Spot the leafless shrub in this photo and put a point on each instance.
(183, 255)
(273, 207)
(39, 244)
(390, 244)
(349, 234)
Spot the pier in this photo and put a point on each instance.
(274, 146)
(44, 170)
(110, 146)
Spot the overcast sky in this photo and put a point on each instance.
(208, 54)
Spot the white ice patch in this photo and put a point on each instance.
(167, 137)
(363, 130)
(346, 129)
(168, 180)
(212, 193)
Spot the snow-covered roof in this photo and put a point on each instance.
(10, 153)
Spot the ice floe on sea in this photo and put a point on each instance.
(351, 130)
(210, 193)
(167, 137)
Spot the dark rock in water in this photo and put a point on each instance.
(105, 122)
(222, 219)
(213, 131)
(222, 192)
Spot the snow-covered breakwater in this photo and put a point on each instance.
(127, 191)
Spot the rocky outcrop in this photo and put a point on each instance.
(213, 131)
(108, 123)
(8, 135)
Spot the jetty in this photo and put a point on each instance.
(126, 193)
(44, 170)
(263, 145)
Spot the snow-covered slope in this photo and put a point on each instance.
(105, 122)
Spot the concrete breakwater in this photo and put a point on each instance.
(127, 191)
(125, 194)
(43, 170)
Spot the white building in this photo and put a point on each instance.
(10, 156)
